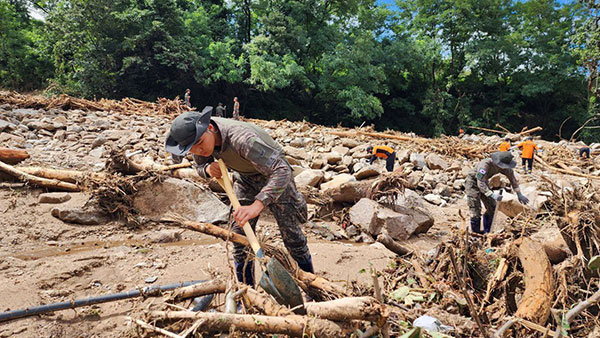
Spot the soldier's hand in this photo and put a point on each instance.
(497, 197)
(247, 212)
(213, 170)
(522, 198)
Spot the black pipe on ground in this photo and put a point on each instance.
(149, 291)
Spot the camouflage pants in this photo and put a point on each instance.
(475, 197)
(289, 210)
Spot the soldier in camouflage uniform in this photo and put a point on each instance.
(478, 190)
(262, 177)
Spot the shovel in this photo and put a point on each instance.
(276, 280)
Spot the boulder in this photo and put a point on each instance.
(364, 215)
(511, 207)
(297, 153)
(165, 236)
(436, 162)
(155, 199)
(403, 156)
(351, 191)
(350, 143)
(85, 216)
(317, 163)
(54, 197)
(340, 150)
(398, 226)
(419, 214)
(333, 158)
(336, 181)
(418, 160)
(434, 199)
(309, 177)
(366, 172)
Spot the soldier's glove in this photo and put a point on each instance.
(522, 198)
(497, 197)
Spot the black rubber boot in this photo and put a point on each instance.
(247, 276)
(306, 265)
(487, 223)
(476, 224)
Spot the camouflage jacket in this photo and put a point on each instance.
(249, 150)
(486, 169)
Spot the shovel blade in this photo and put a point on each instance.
(278, 282)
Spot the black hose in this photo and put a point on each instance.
(149, 291)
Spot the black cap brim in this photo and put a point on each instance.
(177, 149)
(496, 160)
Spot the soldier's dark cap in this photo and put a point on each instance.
(504, 159)
(186, 130)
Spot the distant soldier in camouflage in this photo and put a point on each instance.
(262, 177)
(478, 190)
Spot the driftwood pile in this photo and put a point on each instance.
(126, 106)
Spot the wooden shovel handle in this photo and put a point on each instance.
(225, 182)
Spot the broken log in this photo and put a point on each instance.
(539, 283)
(529, 131)
(38, 181)
(487, 129)
(376, 135)
(202, 289)
(13, 156)
(72, 176)
(566, 172)
(392, 245)
(297, 326)
(348, 308)
(310, 283)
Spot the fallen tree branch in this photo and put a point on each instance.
(392, 245)
(575, 311)
(348, 308)
(566, 172)
(154, 328)
(38, 181)
(311, 283)
(291, 325)
(72, 176)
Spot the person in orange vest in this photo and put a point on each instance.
(528, 148)
(383, 152)
(505, 146)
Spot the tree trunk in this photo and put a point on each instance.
(200, 289)
(296, 326)
(539, 283)
(72, 176)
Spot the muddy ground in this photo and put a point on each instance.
(43, 260)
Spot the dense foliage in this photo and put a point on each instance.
(428, 66)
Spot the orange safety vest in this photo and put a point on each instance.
(528, 148)
(504, 146)
(382, 151)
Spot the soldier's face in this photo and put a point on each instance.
(206, 144)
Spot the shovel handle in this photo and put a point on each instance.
(225, 183)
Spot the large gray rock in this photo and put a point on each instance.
(85, 216)
(351, 191)
(155, 199)
(333, 158)
(420, 215)
(436, 162)
(350, 143)
(398, 226)
(364, 214)
(340, 150)
(511, 207)
(309, 177)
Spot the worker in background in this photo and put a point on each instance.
(220, 110)
(505, 146)
(528, 149)
(186, 97)
(584, 153)
(236, 108)
(478, 190)
(383, 152)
